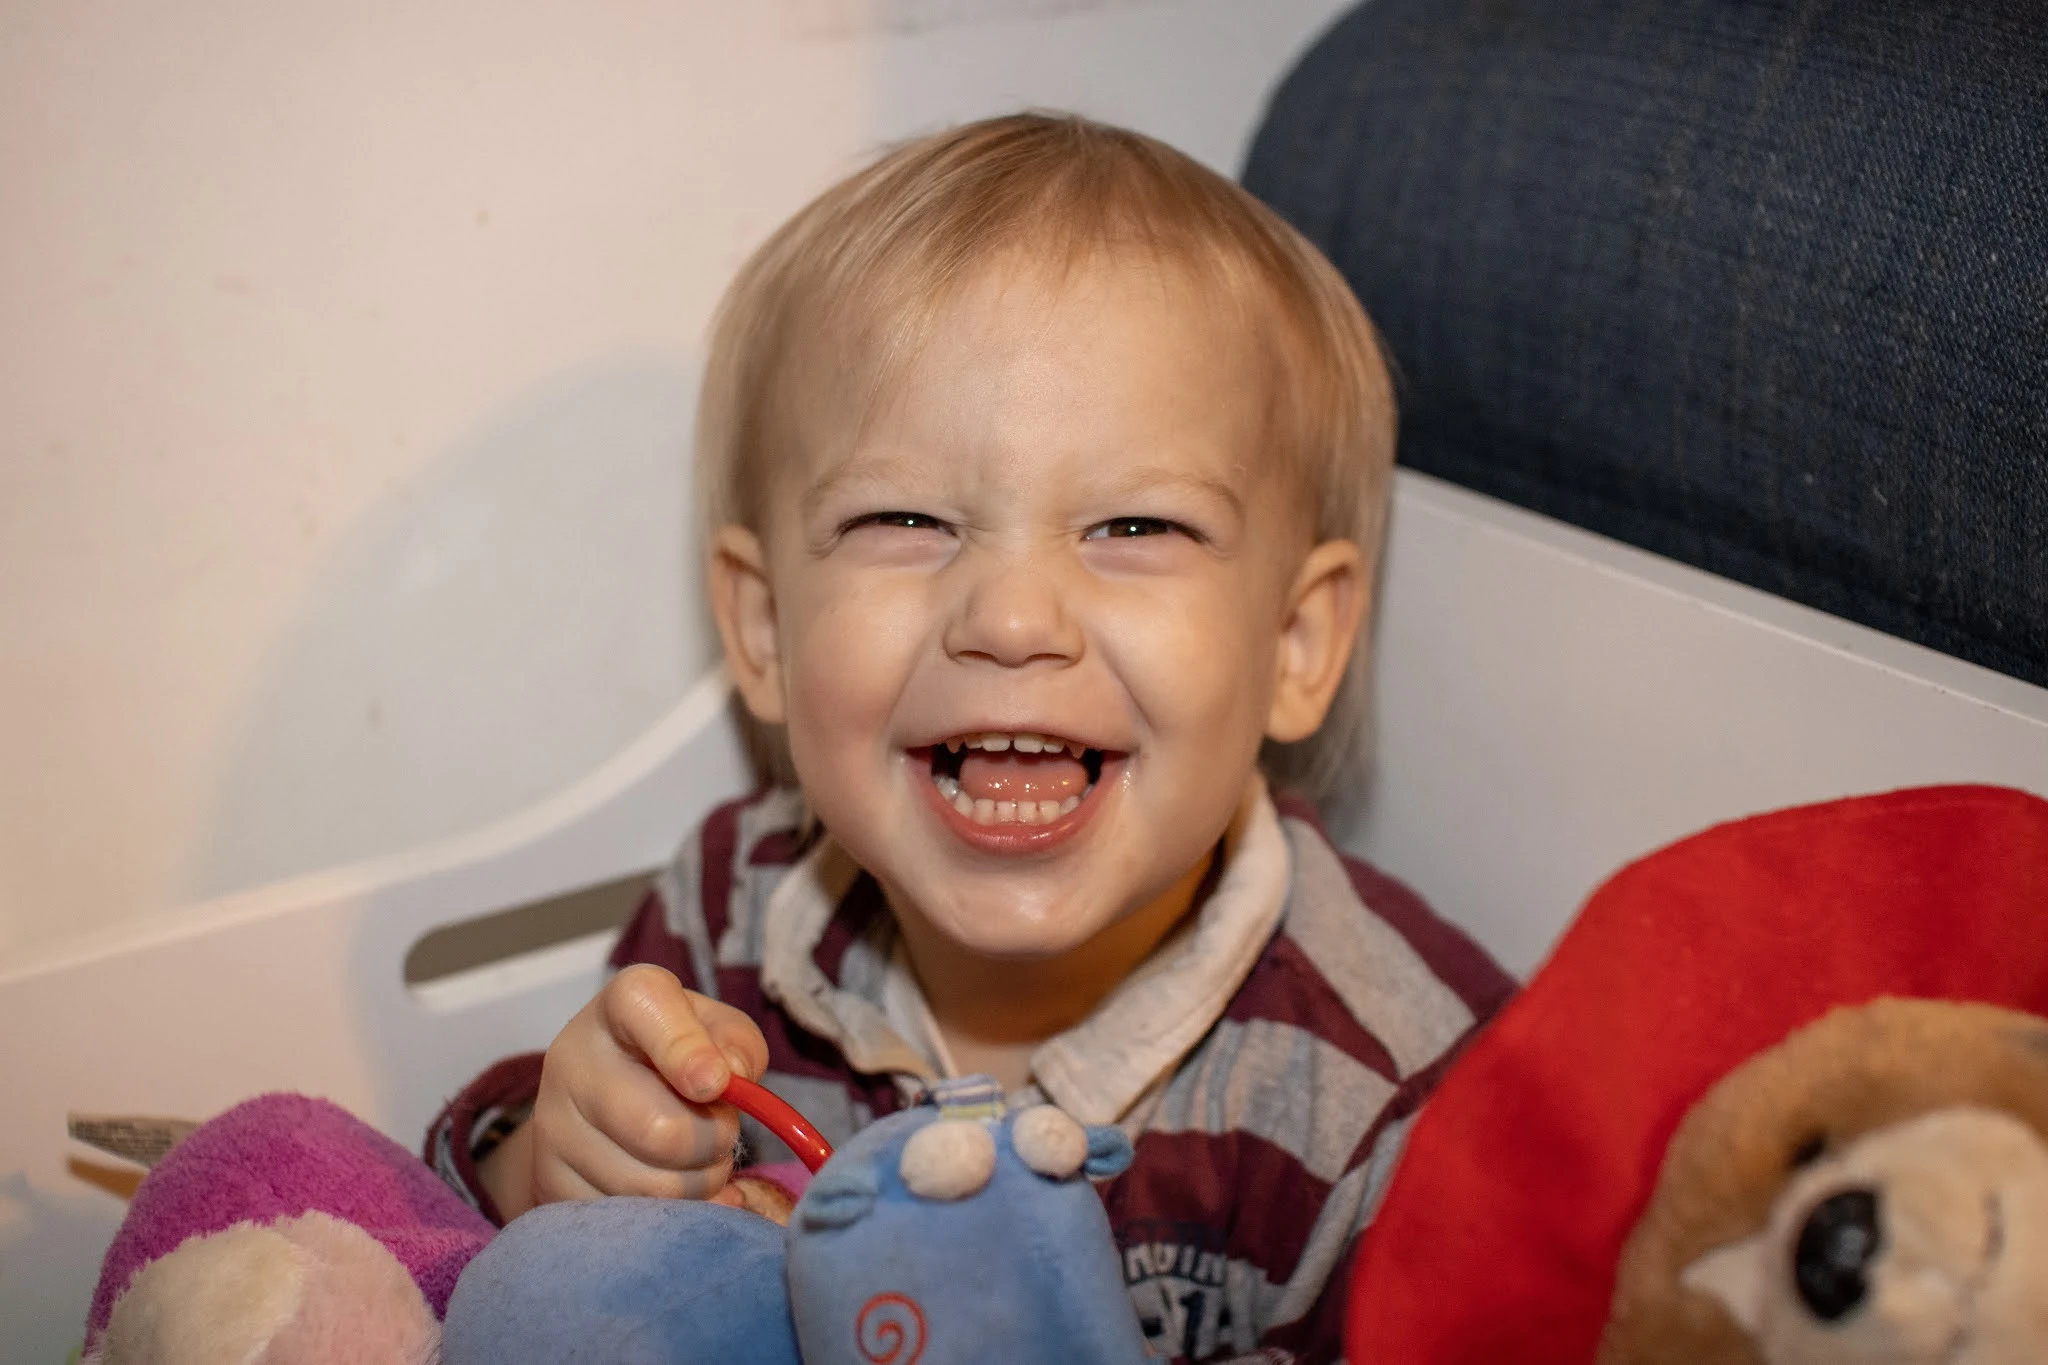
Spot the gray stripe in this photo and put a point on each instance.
(1351, 1205)
(751, 887)
(865, 964)
(779, 812)
(1384, 982)
(680, 887)
(1280, 1083)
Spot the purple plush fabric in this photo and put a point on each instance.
(281, 1155)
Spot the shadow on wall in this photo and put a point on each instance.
(354, 745)
(552, 557)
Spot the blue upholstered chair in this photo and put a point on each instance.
(1760, 285)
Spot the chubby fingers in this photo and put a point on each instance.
(591, 1166)
(611, 1126)
(653, 1126)
(691, 1041)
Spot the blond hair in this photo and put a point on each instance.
(873, 259)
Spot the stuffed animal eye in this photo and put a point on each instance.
(950, 1159)
(1831, 1265)
(1049, 1142)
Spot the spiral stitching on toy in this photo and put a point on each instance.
(884, 1333)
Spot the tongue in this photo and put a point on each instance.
(1021, 777)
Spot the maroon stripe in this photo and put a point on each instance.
(1451, 956)
(513, 1081)
(791, 1048)
(647, 938)
(777, 848)
(855, 915)
(1286, 988)
(1317, 1336)
(1262, 1201)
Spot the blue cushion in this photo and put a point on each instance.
(1759, 286)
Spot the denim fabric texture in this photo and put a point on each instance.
(1760, 285)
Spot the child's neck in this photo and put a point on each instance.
(993, 1012)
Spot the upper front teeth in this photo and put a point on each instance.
(1024, 744)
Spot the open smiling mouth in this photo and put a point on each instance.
(992, 780)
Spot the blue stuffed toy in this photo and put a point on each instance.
(954, 1230)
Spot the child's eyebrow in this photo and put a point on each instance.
(851, 474)
(1128, 483)
(1148, 477)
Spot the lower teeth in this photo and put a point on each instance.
(984, 811)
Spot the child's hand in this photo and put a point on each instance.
(627, 1093)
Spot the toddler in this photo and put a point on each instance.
(1045, 473)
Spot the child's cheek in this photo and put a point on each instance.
(1191, 655)
(848, 655)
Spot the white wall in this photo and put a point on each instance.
(347, 370)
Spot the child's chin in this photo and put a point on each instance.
(1008, 933)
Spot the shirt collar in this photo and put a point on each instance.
(823, 887)
(1095, 1070)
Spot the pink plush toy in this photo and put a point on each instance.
(284, 1232)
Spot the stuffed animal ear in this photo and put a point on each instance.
(839, 1195)
(1109, 1151)
(1733, 1274)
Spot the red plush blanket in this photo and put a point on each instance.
(1499, 1237)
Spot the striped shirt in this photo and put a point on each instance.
(1266, 1059)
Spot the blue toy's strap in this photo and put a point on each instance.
(969, 1097)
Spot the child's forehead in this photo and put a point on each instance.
(1109, 330)
(1059, 445)
(888, 330)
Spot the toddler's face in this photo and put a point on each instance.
(1028, 625)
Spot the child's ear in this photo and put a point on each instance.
(744, 604)
(1316, 637)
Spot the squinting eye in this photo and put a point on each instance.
(1121, 528)
(910, 521)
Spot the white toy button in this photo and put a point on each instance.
(1049, 1141)
(950, 1159)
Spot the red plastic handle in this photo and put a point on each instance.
(779, 1119)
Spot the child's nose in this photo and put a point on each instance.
(1013, 613)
